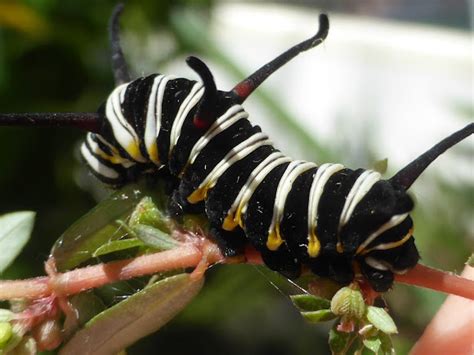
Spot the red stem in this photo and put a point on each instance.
(442, 281)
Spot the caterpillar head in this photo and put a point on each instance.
(385, 243)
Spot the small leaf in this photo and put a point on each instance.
(6, 315)
(15, 230)
(96, 228)
(310, 303)
(381, 320)
(154, 237)
(386, 344)
(373, 344)
(339, 341)
(322, 315)
(137, 316)
(148, 214)
(117, 245)
(349, 303)
(381, 166)
(6, 333)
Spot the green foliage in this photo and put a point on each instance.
(142, 313)
(15, 231)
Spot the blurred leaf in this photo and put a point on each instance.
(6, 333)
(381, 166)
(5, 315)
(87, 306)
(322, 315)
(339, 341)
(381, 320)
(154, 237)
(22, 18)
(117, 245)
(96, 228)
(374, 344)
(15, 230)
(139, 315)
(310, 303)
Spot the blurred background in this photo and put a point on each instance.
(393, 78)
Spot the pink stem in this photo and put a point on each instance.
(442, 281)
(37, 287)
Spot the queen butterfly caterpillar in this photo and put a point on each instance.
(337, 222)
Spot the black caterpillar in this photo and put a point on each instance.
(336, 221)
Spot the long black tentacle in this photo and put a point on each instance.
(119, 65)
(88, 121)
(408, 175)
(242, 90)
(205, 112)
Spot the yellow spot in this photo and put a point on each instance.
(314, 246)
(153, 153)
(134, 151)
(274, 239)
(198, 195)
(229, 223)
(339, 248)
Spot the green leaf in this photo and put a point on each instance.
(6, 315)
(386, 344)
(322, 315)
(339, 341)
(117, 245)
(381, 320)
(15, 230)
(373, 344)
(381, 166)
(310, 303)
(154, 237)
(349, 303)
(137, 316)
(148, 214)
(6, 333)
(470, 261)
(96, 228)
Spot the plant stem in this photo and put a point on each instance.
(82, 279)
(442, 281)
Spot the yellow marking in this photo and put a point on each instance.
(153, 152)
(314, 246)
(391, 245)
(112, 158)
(229, 223)
(134, 151)
(274, 239)
(339, 248)
(198, 195)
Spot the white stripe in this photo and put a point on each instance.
(152, 120)
(189, 102)
(376, 264)
(267, 162)
(362, 185)
(96, 165)
(232, 115)
(122, 130)
(237, 153)
(394, 221)
(247, 191)
(294, 169)
(323, 174)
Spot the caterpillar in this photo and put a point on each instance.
(337, 222)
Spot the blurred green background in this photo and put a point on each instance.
(54, 57)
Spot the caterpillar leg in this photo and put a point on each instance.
(119, 65)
